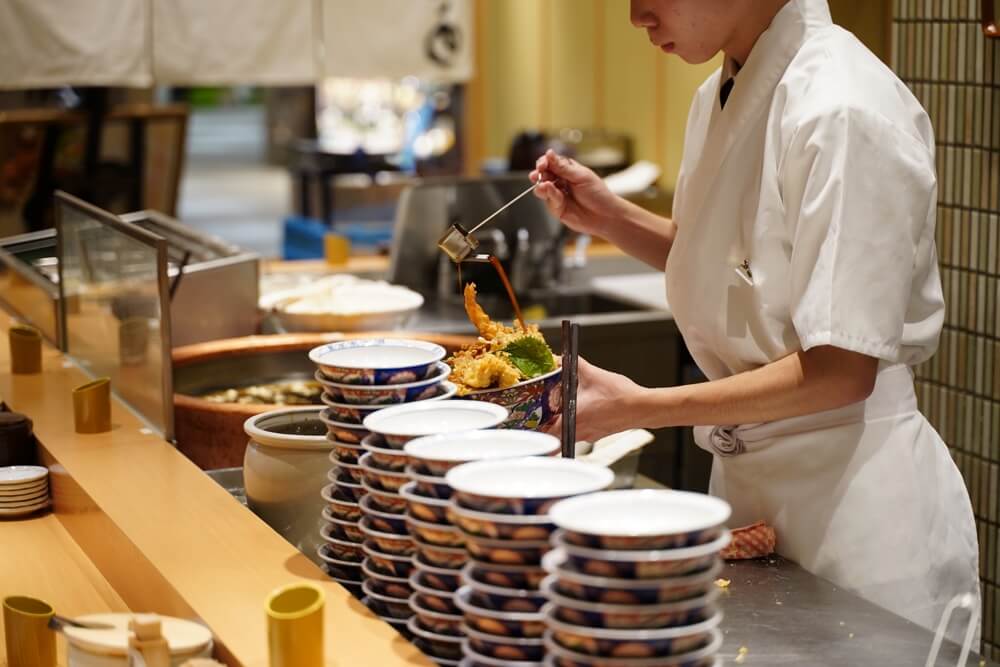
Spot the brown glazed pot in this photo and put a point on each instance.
(211, 434)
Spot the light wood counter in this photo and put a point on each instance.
(138, 526)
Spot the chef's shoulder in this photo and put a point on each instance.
(834, 75)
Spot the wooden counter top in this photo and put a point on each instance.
(153, 533)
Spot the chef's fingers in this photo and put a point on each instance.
(554, 198)
(553, 166)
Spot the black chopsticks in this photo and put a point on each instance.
(570, 355)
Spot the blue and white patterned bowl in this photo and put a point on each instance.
(341, 506)
(385, 394)
(509, 649)
(339, 549)
(446, 557)
(387, 585)
(355, 413)
(506, 552)
(501, 526)
(433, 576)
(386, 565)
(385, 501)
(432, 598)
(388, 543)
(349, 570)
(438, 646)
(382, 457)
(641, 519)
(610, 643)
(532, 404)
(429, 485)
(501, 598)
(589, 588)
(385, 605)
(529, 485)
(377, 478)
(435, 533)
(343, 529)
(641, 564)
(377, 360)
(351, 434)
(630, 616)
(476, 659)
(502, 623)
(385, 522)
(560, 656)
(436, 621)
(423, 507)
(525, 577)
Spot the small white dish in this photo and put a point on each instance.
(19, 475)
(22, 511)
(444, 451)
(377, 360)
(401, 423)
(29, 499)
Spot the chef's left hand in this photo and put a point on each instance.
(603, 402)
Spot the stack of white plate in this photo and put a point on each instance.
(437, 623)
(501, 509)
(631, 579)
(23, 490)
(384, 471)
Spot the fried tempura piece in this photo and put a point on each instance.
(486, 327)
(483, 371)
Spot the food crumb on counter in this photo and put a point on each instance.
(723, 583)
(850, 635)
(741, 655)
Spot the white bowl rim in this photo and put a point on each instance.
(22, 474)
(373, 511)
(642, 555)
(537, 378)
(709, 649)
(475, 584)
(553, 563)
(379, 534)
(446, 527)
(421, 609)
(427, 590)
(572, 514)
(336, 561)
(637, 634)
(324, 416)
(409, 495)
(436, 351)
(370, 550)
(444, 370)
(365, 464)
(378, 596)
(460, 478)
(501, 639)
(474, 657)
(498, 414)
(423, 448)
(413, 625)
(326, 493)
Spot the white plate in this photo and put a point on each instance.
(21, 501)
(640, 513)
(18, 475)
(21, 489)
(377, 353)
(481, 445)
(414, 419)
(534, 477)
(21, 511)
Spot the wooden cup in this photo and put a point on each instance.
(92, 406)
(30, 642)
(295, 626)
(25, 350)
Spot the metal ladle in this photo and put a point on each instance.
(458, 244)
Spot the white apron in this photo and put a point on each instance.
(805, 217)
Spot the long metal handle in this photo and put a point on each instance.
(504, 207)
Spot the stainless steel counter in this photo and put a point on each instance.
(784, 615)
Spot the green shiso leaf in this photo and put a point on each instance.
(530, 355)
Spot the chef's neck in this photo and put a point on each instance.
(755, 19)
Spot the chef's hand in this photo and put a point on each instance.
(574, 194)
(603, 401)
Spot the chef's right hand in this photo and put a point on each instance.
(574, 194)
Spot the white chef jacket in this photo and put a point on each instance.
(805, 216)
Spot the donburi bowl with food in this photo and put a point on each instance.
(509, 366)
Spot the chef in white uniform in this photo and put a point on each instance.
(802, 273)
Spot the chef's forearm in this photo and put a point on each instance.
(641, 234)
(823, 378)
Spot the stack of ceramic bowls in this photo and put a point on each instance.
(501, 509)
(359, 377)
(631, 580)
(383, 470)
(437, 623)
(23, 490)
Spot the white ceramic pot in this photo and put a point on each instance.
(284, 470)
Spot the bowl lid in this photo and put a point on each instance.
(640, 513)
(428, 418)
(529, 477)
(481, 445)
(183, 637)
(289, 428)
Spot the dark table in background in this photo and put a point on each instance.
(784, 615)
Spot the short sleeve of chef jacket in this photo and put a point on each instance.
(859, 196)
